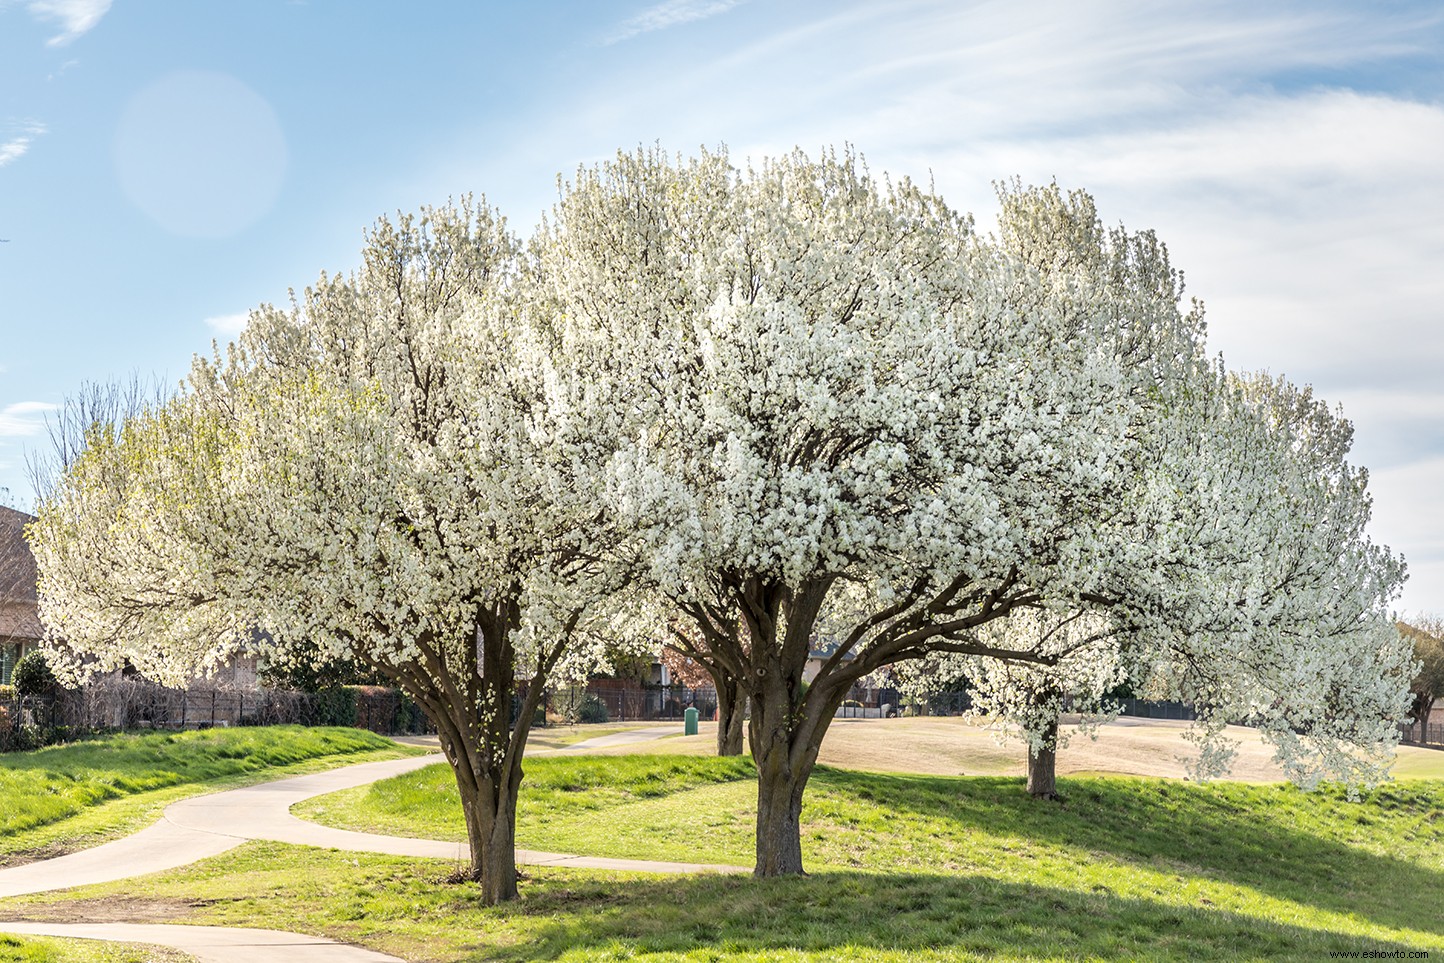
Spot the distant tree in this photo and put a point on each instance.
(1029, 698)
(696, 661)
(1426, 634)
(32, 675)
(97, 407)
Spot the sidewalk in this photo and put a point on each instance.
(212, 944)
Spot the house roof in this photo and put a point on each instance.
(17, 577)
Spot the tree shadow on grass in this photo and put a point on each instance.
(1272, 838)
(868, 916)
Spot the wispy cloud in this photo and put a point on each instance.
(75, 17)
(228, 325)
(19, 141)
(13, 149)
(24, 418)
(668, 14)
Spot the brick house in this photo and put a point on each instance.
(20, 628)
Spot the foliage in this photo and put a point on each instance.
(305, 669)
(592, 710)
(32, 675)
(336, 706)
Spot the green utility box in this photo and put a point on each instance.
(689, 724)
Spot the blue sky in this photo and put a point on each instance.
(167, 165)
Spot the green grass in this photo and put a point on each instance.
(556, 791)
(406, 908)
(35, 949)
(904, 868)
(922, 867)
(66, 797)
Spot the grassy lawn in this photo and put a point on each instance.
(36, 949)
(68, 797)
(903, 868)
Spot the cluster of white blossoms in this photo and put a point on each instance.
(784, 393)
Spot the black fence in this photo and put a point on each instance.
(1145, 709)
(1416, 734)
(622, 700)
(958, 703)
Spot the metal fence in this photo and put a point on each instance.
(626, 701)
(1157, 710)
(1432, 735)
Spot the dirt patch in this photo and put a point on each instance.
(108, 909)
(24, 856)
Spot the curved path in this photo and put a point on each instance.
(212, 944)
(203, 826)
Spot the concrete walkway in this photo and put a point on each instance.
(626, 738)
(204, 826)
(212, 944)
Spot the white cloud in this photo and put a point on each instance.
(21, 138)
(13, 149)
(24, 418)
(1409, 517)
(228, 325)
(668, 14)
(75, 17)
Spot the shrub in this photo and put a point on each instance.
(32, 675)
(592, 709)
(336, 706)
(409, 717)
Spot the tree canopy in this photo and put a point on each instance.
(841, 412)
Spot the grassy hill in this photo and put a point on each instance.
(904, 867)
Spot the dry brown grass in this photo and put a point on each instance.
(944, 746)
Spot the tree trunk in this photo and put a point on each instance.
(786, 734)
(1421, 708)
(473, 709)
(491, 833)
(731, 714)
(1043, 764)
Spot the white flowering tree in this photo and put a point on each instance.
(1260, 596)
(366, 475)
(835, 410)
(1269, 603)
(1029, 698)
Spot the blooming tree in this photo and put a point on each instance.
(367, 475)
(836, 410)
(1030, 697)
